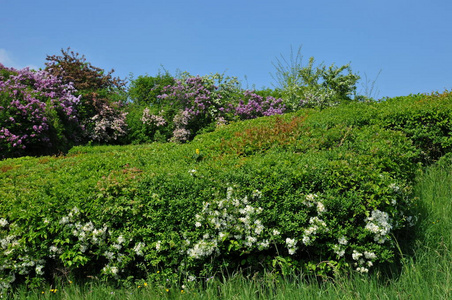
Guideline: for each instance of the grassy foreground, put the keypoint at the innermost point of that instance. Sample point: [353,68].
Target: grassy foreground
[425,273]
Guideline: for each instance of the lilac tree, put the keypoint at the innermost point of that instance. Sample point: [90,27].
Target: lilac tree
[38,114]
[190,105]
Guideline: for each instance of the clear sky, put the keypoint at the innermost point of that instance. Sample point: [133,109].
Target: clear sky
[410,41]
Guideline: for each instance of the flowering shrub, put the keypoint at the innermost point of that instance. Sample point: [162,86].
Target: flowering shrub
[230,224]
[191,105]
[38,113]
[108,124]
[322,195]
[101,95]
[253,106]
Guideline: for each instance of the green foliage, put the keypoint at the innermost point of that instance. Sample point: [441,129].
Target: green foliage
[145,89]
[425,119]
[313,86]
[325,192]
[424,273]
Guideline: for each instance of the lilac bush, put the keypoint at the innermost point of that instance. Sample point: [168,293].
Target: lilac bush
[191,104]
[253,106]
[38,114]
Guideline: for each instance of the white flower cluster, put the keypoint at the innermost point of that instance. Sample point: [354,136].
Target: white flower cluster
[139,248]
[338,248]
[9,243]
[316,226]
[150,119]
[3,222]
[88,235]
[291,245]
[203,248]
[394,187]
[311,200]
[110,270]
[230,218]
[363,260]
[22,263]
[379,224]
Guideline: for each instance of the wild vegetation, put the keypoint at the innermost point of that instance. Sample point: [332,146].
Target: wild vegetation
[195,186]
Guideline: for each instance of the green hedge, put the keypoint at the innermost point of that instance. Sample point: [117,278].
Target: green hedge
[317,191]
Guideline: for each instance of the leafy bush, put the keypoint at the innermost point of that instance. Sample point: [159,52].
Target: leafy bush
[282,192]
[38,113]
[425,119]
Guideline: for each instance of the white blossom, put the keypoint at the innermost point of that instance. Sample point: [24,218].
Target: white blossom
[379,224]
[369,255]
[39,270]
[139,248]
[109,255]
[291,245]
[64,220]
[3,222]
[338,250]
[356,255]
[362,270]
[257,194]
[121,239]
[342,240]
[158,245]
[320,207]
[306,240]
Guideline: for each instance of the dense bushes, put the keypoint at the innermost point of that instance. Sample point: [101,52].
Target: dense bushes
[318,191]
[425,119]
[322,192]
[165,108]
[192,105]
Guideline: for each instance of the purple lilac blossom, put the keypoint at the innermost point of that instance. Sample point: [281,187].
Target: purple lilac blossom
[27,97]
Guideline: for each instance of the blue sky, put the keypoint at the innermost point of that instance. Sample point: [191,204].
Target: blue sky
[408,40]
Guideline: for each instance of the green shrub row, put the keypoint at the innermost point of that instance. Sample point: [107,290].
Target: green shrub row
[317,191]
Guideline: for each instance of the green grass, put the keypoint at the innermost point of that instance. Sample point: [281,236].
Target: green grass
[425,272]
